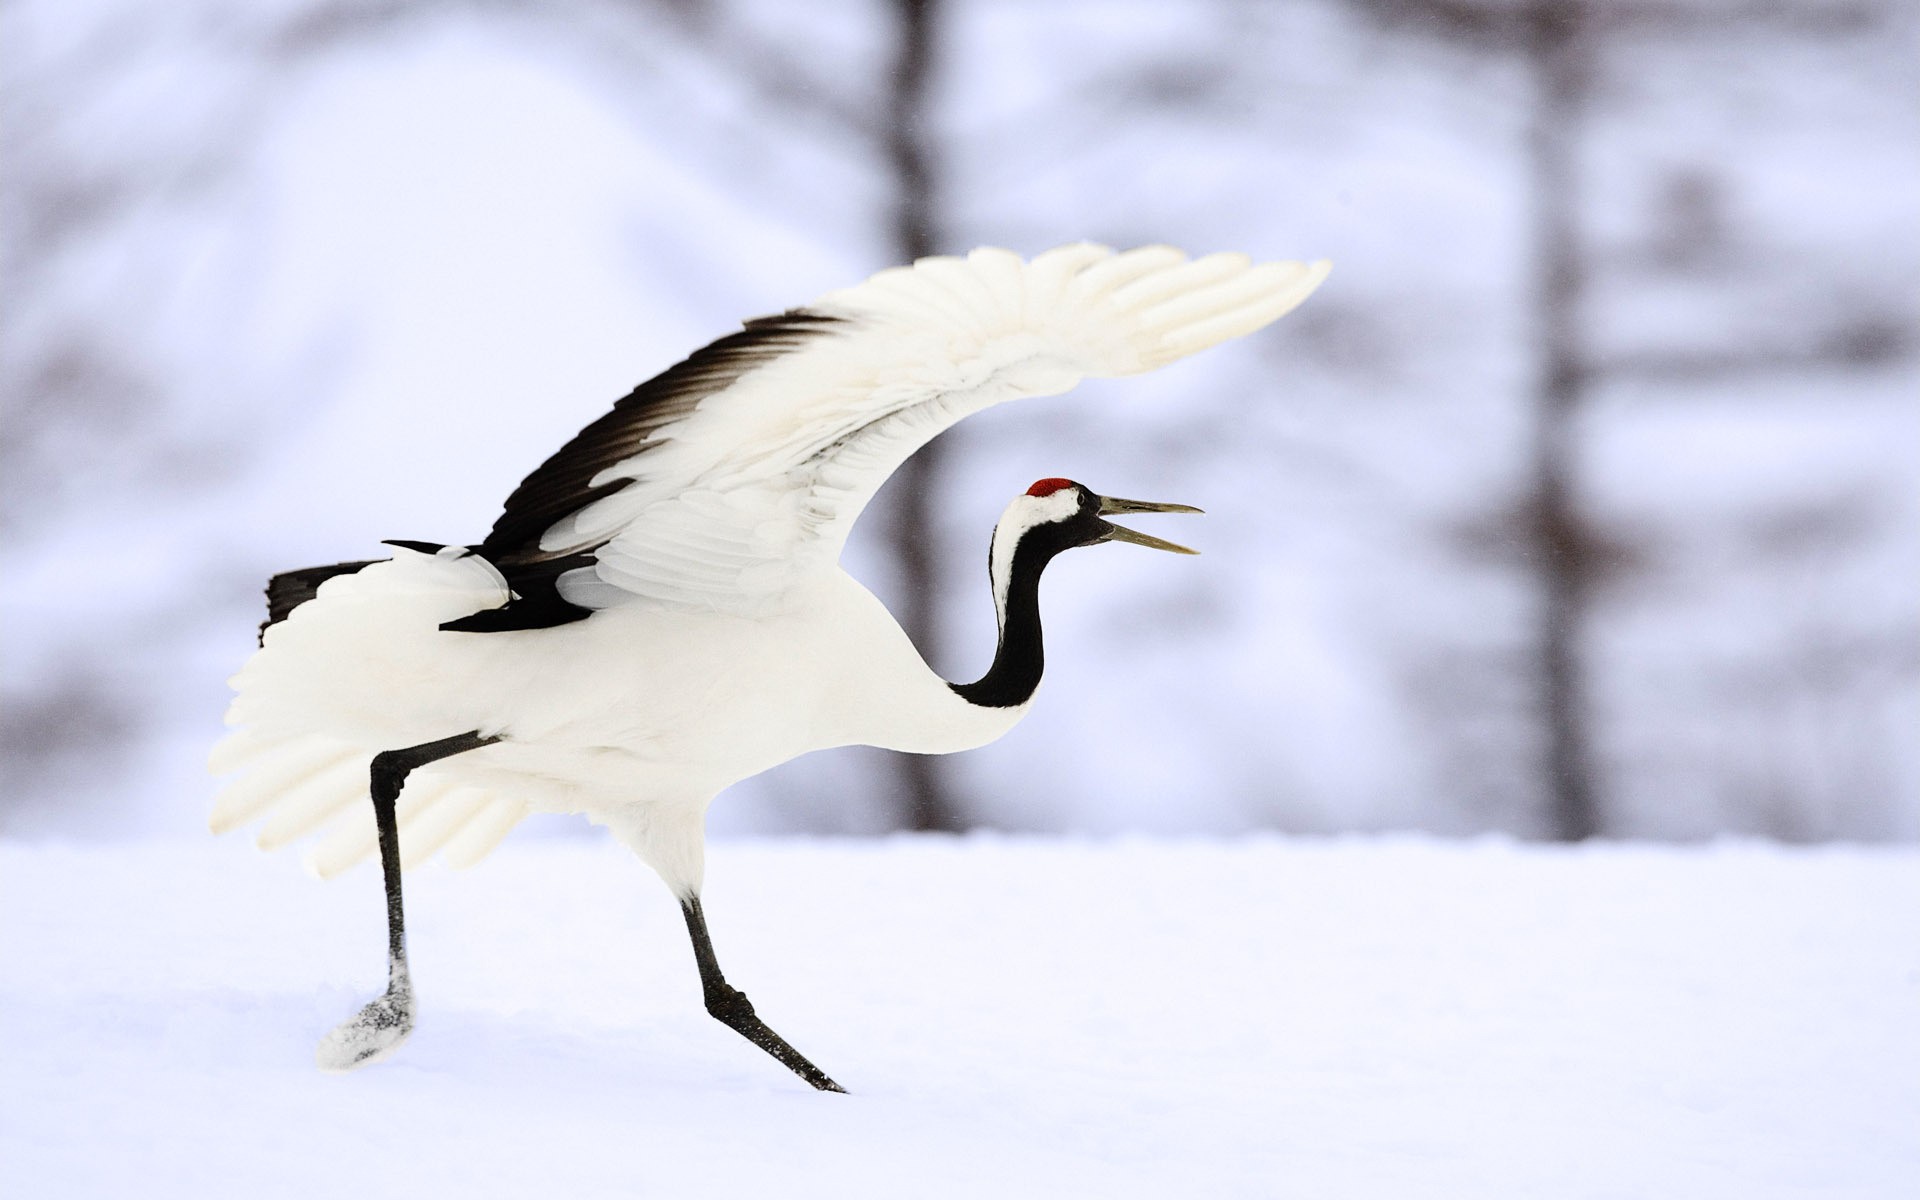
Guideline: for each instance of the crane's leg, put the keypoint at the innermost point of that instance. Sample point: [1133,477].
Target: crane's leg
[731,1007]
[378,1029]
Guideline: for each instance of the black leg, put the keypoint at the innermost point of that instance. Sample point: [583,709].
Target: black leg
[382,1025]
[731,1007]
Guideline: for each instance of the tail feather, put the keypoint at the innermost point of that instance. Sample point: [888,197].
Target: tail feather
[460,823]
[330,690]
[347,841]
[477,838]
[299,786]
[305,807]
[238,749]
[278,769]
[290,589]
[433,828]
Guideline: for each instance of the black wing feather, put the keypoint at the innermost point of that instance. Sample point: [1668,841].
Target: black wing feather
[560,487]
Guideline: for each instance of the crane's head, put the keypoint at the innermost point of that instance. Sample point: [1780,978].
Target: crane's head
[1051,516]
[1059,514]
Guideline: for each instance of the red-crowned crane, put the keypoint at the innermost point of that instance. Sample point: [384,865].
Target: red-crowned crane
[660,611]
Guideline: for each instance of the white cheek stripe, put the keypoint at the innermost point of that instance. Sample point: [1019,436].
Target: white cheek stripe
[1021,516]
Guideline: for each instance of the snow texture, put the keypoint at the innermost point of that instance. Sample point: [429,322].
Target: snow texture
[1017,1017]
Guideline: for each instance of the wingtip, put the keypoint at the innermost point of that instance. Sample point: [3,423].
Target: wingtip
[1313,274]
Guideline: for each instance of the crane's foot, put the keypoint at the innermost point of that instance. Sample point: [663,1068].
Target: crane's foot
[730,1007]
[370,1034]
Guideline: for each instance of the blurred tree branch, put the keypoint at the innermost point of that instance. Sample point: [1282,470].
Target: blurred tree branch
[926,784]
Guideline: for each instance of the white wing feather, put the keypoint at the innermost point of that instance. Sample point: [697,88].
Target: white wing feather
[733,504]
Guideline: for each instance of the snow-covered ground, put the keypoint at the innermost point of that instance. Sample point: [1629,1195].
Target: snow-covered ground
[1017,1017]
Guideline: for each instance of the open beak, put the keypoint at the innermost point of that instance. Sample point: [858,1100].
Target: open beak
[1113,506]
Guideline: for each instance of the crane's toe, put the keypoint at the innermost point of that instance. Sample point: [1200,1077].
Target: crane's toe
[368,1036]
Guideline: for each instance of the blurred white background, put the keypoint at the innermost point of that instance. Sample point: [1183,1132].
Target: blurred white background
[1583,499]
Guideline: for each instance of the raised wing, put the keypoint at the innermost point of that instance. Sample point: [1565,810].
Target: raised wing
[730,478]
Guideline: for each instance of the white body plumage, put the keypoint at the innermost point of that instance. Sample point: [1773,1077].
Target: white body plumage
[636,716]
[660,612]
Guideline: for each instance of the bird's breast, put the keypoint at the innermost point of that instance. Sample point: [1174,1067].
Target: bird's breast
[732,695]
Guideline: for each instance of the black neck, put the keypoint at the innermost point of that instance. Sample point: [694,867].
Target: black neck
[1019,659]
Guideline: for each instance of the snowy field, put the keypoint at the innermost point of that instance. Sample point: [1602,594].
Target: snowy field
[1013,1018]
